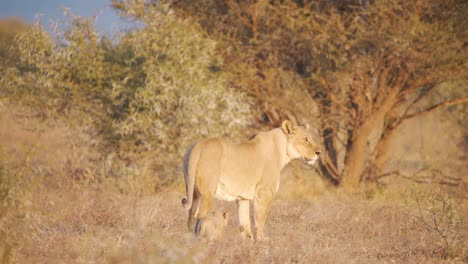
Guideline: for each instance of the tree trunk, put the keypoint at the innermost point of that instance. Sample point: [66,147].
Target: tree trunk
[382,151]
[355,156]
[381,155]
[330,146]
[330,150]
[356,149]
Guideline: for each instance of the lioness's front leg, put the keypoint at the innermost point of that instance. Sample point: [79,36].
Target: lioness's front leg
[262,204]
[244,218]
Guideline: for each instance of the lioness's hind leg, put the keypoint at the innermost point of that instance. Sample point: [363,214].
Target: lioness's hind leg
[207,176]
[206,203]
[193,212]
[244,218]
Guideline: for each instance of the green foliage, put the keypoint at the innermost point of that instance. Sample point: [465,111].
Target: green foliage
[56,76]
[183,97]
[9,27]
[191,69]
[152,93]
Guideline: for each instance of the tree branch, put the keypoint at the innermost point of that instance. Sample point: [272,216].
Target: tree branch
[258,5]
[400,119]
[436,176]
[382,82]
[417,85]
[335,174]
[234,8]
[437,106]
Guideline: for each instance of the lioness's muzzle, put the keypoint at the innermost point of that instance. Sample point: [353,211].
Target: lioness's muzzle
[310,161]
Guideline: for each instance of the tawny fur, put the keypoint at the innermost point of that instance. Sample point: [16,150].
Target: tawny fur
[247,172]
[213,226]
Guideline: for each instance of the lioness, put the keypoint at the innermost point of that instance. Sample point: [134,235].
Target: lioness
[212,227]
[245,172]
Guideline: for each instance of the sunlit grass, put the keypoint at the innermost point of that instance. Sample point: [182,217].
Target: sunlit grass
[76,214]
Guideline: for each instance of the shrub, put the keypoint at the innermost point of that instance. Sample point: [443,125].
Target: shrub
[184,96]
[148,95]
[436,213]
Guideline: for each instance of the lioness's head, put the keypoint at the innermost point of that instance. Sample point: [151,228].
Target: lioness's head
[300,143]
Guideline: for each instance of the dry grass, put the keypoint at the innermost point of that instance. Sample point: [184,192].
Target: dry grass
[79,224]
[63,219]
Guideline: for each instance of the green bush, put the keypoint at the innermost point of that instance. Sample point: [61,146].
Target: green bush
[150,94]
[184,97]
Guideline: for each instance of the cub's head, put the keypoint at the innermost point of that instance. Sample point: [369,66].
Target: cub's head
[300,143]
[224,216]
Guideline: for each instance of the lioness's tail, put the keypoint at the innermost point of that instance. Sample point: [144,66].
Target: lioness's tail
[190,166]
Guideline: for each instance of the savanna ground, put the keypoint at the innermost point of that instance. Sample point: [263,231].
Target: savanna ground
[61,214]
[93,129]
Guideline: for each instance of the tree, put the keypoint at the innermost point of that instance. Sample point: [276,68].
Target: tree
[400,53]
[367,69]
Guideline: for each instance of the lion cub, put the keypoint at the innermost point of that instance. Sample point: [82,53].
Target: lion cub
[213,226]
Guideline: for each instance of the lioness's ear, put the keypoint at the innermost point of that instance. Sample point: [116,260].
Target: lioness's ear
[288,127]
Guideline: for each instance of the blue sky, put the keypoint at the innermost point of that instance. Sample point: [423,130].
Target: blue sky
[107,20]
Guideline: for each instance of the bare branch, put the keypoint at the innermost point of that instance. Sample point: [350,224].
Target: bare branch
[397,122]
[259,5]
[329,164]
[234,8]
[377,67]
[382,82]
[435,176]
[403,76]
[342,105]
[437,106]
[427,80]
[392,173]
[414,86]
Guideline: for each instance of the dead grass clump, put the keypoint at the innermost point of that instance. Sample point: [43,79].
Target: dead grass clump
[333,228]
[438,216]
[76,223]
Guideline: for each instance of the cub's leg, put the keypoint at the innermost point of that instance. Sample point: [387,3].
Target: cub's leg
[244,218]
[262,203]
